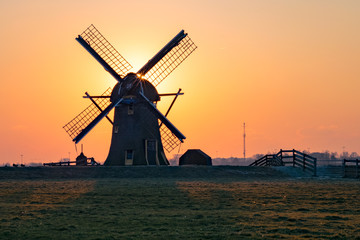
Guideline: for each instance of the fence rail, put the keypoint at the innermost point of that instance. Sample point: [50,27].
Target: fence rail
[81,162]
[268,160]
[291,157]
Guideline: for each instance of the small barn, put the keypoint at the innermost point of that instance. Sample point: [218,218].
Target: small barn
[195,157]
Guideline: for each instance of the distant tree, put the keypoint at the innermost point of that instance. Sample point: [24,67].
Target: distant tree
[326,155]
[257,156]
[354,155]
[174,161]
[34,164]
[344,155]
[334,156]
[306,152]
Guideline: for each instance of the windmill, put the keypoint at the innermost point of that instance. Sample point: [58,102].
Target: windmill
[140,132]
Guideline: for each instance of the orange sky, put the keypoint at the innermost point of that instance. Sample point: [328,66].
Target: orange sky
[289,69]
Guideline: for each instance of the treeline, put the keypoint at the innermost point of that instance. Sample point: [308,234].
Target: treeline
[325,157]
[333,155]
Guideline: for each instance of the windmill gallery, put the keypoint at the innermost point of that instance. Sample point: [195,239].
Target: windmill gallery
[140,132]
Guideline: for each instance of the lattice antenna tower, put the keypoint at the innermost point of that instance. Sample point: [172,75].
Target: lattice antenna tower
[244,136]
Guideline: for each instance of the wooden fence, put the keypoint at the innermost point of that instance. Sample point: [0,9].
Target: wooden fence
[351,168]
[82,162]
[289,158]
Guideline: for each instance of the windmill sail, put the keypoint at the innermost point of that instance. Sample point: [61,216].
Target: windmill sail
[83,119]
[168,58]
[95,43]
[96,120]
[168,139]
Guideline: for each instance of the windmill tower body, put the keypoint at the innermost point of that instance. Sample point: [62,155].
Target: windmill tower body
[140,131]
[136,138]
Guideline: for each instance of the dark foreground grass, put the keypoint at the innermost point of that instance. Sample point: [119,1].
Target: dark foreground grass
[148,208]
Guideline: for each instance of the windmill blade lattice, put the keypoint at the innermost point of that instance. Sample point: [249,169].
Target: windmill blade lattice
[170,61]
[168,139]
[75,126]
[106,51]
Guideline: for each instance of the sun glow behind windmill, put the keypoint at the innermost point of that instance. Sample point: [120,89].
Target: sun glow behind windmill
[140,131]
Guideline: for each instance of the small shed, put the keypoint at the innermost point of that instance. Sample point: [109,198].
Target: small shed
[195,157]
[81,160]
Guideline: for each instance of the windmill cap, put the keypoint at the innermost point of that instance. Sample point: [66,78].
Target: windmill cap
[131,86]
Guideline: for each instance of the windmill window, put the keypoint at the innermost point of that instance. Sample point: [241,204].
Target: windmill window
[129,154]
[131,109]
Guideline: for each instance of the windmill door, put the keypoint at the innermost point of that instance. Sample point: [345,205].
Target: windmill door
[151,152]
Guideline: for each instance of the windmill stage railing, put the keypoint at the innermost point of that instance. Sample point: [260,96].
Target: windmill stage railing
[351,168]
[289,158]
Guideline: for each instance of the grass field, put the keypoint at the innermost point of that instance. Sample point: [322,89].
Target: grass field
[227,207]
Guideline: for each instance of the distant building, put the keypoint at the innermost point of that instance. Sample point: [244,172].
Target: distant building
[81,160]
[195,157]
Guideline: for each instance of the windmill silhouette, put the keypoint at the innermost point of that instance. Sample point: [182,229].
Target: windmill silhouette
[140,131]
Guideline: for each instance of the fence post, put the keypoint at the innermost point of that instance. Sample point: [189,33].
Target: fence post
[266,160]
[343,165]
[293,157]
